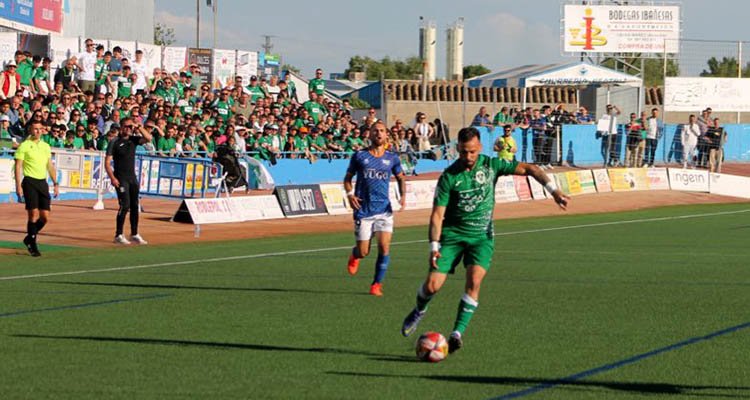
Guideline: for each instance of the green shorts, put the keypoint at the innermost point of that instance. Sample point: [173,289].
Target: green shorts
[474,251]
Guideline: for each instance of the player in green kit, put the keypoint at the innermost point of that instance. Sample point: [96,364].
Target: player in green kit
[461,227]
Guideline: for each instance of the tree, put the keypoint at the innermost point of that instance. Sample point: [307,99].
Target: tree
[471,71]
[358,104]
[653,74]
[290,68]
[387,68]
[726,68]
[163,35]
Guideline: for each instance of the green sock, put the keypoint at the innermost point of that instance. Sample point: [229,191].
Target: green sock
[422,299]
[466,309]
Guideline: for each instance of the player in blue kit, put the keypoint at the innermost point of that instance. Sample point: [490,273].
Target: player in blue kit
[373,215]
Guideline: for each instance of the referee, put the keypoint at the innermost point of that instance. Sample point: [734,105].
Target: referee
[33,161]
[121,150]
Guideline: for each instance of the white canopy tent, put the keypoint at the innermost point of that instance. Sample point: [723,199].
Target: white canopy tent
[570,74]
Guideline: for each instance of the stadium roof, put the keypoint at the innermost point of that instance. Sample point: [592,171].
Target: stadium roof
[568,74]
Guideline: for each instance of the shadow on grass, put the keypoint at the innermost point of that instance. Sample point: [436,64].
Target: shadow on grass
[191,287]
[646,388]
[219,345]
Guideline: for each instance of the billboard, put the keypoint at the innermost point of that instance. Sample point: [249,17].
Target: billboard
[620,29]
[694,94]
[247,65]
[37,16]
[203,58]
[223,67]
[173,58]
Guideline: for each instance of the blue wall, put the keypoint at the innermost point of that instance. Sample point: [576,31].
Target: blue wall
[288,171]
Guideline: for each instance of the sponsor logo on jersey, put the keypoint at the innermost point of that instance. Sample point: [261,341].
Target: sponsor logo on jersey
[480,177]
[375,174]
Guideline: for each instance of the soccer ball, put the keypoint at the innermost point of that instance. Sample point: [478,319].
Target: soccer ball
[432,347]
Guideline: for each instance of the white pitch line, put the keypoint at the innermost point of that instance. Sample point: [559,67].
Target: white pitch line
[293,252]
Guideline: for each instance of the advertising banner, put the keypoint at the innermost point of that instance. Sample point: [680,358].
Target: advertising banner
[211,211]
[19,11]
[601,179]
[690,94]
[688,180]
[8,45]
[657,179]
[253,208]
[561,181]
[174,58]
[620,29]
[505,190]
[48,15]
[6,175]
[537,190]
[223,65]
[335,199]
[151,56]
[522,187]
[61,49]
[419,194]
[722,184]
[586,179]
[247,65]
[628,179]
[300,200]
[128,48]
[201,57]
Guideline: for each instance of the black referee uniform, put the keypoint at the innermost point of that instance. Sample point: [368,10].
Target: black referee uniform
[122,151]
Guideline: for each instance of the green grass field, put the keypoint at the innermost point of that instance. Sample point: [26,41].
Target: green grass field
[645,304]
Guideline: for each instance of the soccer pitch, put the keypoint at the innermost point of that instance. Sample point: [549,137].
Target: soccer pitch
[603,306]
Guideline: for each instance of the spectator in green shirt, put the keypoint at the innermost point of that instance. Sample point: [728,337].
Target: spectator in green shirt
[317,84]
[314,108]
[254,90]
[41,78]
[25,68]
[502,118]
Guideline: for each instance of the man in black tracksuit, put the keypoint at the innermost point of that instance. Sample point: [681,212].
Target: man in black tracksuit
[123,176]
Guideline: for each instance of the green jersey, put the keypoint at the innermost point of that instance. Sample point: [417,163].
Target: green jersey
[316,110]
[318,86]
[469,196]
[170,95]
[25,69]
[502,119]
[224,109]
[101,70]
[319,141]
[256,92]
[124,87]
[40,74]
[165,145]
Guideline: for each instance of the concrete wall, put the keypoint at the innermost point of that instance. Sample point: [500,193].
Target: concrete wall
[74,20]
[120,20]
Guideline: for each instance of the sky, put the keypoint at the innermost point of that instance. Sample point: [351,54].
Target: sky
[326,33]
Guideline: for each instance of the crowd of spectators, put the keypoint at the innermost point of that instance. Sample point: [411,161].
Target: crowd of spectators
[702,137]
[82,103]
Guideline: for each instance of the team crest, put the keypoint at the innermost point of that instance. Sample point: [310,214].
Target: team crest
[386,162]
[480,177]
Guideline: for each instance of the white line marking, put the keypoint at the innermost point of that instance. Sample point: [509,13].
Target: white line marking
[286,253]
